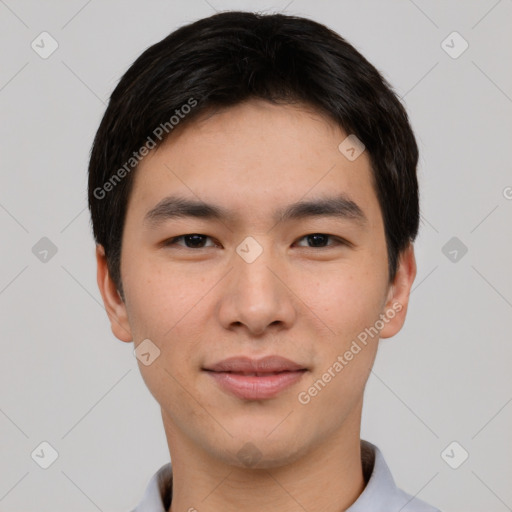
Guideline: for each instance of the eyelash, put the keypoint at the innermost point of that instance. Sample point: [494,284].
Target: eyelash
[173,241]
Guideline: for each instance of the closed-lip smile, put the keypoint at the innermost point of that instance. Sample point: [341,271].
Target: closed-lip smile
[256,379]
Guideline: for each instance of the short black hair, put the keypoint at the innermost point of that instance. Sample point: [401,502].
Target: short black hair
[231,57]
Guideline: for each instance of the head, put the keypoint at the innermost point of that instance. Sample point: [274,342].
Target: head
[245,114]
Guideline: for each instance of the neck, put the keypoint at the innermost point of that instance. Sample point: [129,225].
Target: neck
[328,477]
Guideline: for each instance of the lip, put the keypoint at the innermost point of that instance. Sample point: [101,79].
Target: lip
[256,379]
[266,364]
[256,388]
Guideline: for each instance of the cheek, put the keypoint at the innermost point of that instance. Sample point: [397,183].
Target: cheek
[350,306]
[169,306]
[161,308]
[346,299]
[349,303]
[157,299]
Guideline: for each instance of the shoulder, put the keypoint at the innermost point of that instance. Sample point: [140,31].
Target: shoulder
[381,492]
[158,492]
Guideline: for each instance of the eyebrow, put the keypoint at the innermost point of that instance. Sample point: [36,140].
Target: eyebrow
[173,207]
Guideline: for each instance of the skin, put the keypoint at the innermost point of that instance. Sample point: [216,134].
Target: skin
[201,304]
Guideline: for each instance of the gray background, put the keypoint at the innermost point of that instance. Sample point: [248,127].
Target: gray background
[66,380]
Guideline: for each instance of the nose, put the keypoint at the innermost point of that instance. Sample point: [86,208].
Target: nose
[257,296]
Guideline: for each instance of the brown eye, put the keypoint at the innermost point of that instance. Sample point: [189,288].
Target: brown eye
[320,240]
[191,241]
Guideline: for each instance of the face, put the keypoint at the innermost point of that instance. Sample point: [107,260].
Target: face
[253,282]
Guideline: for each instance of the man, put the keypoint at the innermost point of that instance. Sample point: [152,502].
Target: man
[254,201]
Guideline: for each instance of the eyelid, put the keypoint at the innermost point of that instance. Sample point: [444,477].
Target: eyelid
[339,241]
[173,241]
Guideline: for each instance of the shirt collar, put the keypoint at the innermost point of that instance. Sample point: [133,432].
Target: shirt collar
[380,494]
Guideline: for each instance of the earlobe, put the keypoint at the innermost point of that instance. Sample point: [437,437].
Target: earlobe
[397,302]
[114,305]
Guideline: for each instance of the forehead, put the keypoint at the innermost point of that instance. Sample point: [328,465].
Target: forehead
[253,158]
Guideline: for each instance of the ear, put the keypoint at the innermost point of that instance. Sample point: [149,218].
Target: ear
[397,301]
[114,304]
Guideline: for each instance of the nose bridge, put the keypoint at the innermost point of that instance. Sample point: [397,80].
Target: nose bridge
[258,298]
[254,259]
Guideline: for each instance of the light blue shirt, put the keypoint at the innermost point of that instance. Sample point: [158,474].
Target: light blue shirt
[380,494]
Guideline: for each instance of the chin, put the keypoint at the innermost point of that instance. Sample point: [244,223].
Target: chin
[259,450]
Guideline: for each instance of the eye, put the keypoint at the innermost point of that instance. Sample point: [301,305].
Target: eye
[319,240]
[192,241]
[197,241]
